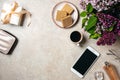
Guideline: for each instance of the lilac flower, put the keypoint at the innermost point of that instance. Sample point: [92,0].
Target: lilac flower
[108,38]
[108,25]
[117,28]
[99,4]
[106,20]
[83,4]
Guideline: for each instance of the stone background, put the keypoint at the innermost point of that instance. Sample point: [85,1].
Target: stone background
[44,51]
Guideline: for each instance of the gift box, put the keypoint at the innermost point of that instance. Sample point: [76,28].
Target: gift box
[16,18]
[12,13]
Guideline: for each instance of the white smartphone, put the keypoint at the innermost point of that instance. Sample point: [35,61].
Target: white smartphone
[85,61]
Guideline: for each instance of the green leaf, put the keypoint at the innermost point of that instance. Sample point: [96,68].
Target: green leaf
[89,8]
[111,27]
[83,14]
[91,22]
[84,21]
[93,14]
[95,36]
[92,30]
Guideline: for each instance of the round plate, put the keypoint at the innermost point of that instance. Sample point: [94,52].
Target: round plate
[59,6]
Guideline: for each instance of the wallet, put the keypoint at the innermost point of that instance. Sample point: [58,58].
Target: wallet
[6,41]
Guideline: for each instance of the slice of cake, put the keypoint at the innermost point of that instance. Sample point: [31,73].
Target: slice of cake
[68,9]
[67,21]
[60,15]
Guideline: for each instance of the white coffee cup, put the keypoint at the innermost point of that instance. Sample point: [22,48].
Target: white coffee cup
[76,37]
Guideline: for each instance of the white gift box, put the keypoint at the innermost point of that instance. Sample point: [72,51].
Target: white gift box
[14,15]
[6,41]
[16,18]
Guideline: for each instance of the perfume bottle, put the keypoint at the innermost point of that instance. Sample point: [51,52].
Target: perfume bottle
[99,76]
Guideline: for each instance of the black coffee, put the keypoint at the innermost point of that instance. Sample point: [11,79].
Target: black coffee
[75,36]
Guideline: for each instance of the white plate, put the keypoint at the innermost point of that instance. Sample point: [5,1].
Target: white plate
[59,6]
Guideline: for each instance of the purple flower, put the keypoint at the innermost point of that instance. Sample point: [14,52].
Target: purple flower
[99,4]
[107,20]
[83,4]
[119,33]
[107,38]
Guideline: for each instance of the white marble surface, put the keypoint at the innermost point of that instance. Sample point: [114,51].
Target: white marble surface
[44,51]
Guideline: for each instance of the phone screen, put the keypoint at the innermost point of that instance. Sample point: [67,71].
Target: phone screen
[85,61]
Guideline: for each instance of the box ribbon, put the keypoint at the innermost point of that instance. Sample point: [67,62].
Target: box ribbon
[14,5]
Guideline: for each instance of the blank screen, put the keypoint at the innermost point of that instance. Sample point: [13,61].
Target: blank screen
[85,61]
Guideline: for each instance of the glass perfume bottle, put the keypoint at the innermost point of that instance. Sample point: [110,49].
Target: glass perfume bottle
[99,76]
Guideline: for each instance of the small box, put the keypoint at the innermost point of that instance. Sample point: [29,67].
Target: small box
[67,21]
[6,41]
[16,18]
[60,15]
[68,9]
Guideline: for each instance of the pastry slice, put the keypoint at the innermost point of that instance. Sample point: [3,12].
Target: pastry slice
[68,9]
[60,15]
[67,21]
